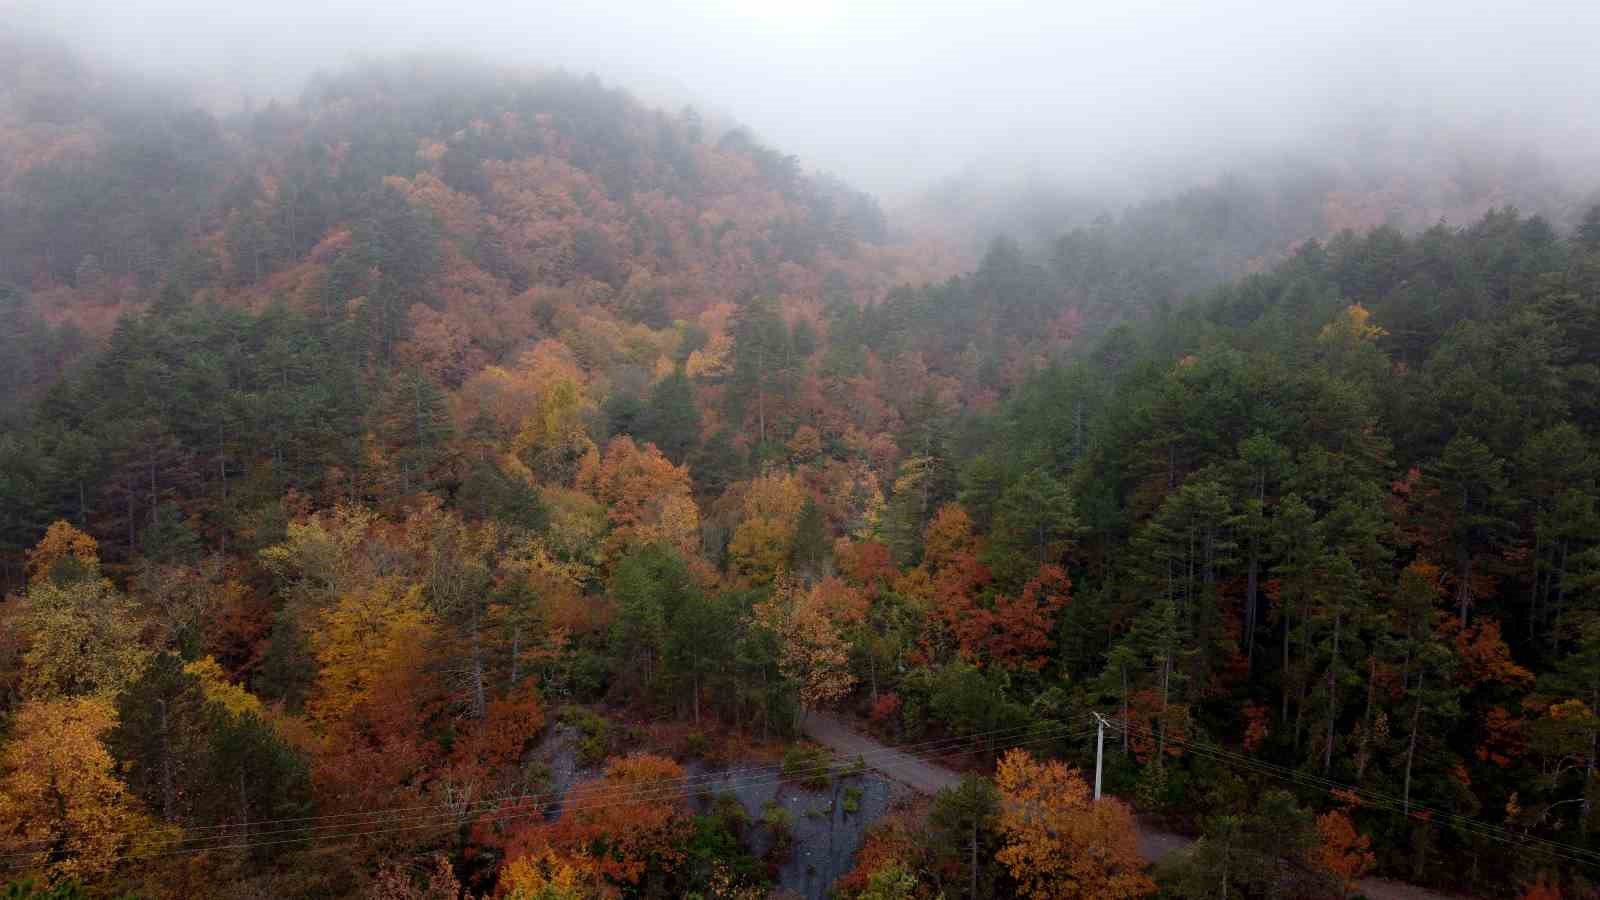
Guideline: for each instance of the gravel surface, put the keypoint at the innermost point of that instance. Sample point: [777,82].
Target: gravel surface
[837,735]
[825,836]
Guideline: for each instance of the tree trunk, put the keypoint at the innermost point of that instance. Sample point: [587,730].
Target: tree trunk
[1300,711]
[1561,594]
[761,407]
[222,462]
[1166,682]
[1333,710]
[1541,579]
[1250,589]
[1411,747]
[244,810]
[480,702]
[1366,730]
[1077,430]
[516,653]
[972,889]
[1226,856]
[168,781]
[1124,710]
[1288,622]
[1588,767]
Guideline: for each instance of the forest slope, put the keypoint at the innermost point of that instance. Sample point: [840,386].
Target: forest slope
[365,435]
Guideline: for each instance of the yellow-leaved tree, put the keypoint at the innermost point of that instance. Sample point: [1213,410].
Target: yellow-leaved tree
[322,555]
[216,687]
[545,875]
[62,808]
[79,635]
[811,652]
[82,637]
[761,543]
[368,633]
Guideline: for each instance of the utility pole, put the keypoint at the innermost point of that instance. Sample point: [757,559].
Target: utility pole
[1099,752]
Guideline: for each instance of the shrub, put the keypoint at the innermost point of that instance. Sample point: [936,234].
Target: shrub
[726,806]
[885,707]
[811,766]
[594,734]
[852,800]
[780,823]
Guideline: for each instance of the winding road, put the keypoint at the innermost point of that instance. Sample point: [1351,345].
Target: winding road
[925,777]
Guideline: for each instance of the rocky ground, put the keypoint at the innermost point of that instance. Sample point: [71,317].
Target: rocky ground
[827,824]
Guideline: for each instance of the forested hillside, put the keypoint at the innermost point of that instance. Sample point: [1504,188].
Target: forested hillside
[1119,252]
[354,447]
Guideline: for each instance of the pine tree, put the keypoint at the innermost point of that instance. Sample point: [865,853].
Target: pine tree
[764,364]
[161,740]
[670,419]
[412,420]
[1468,510]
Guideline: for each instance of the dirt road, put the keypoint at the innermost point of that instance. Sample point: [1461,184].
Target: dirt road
[921,775]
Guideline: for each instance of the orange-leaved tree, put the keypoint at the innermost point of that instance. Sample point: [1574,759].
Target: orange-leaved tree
[1543,889]
[647,498]
[1344,852]
[1015,634]
[624,827]
[62,543]
[1060,843]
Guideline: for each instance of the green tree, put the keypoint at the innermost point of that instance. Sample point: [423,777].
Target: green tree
[254,776]
[650,586]
[808,555]
[1468,510]
[764,362]
[1262,462]
[670,419]
[962,823]
[162,739]
[698,637]
[1032,518]
[413,422]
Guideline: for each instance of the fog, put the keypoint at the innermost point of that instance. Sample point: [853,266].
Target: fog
[896,94]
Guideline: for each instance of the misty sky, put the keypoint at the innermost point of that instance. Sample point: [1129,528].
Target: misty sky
[892,94]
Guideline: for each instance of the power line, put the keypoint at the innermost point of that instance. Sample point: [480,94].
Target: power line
[638,794]
[1377,798]
[602,797]
[931,746]
[1570,852]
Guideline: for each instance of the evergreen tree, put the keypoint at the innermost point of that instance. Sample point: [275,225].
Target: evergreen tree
[162,739]
[808,555]
[412,420]
[670,419]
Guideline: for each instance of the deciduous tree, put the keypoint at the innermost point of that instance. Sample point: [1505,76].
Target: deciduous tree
[1061,843]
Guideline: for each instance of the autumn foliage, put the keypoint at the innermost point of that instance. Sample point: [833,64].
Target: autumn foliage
[1344,853]
[348,442]
[1060,843]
